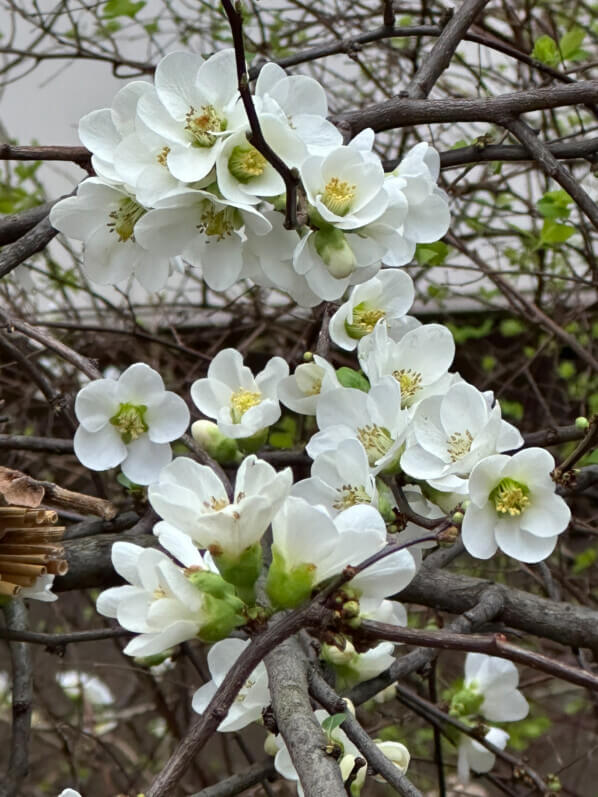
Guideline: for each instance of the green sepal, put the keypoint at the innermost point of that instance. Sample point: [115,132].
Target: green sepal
[349,377]
[288,588]
[249,445]
[223,619]
[466,702]
[242,571]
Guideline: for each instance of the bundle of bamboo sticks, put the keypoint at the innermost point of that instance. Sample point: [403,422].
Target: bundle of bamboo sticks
[29,547]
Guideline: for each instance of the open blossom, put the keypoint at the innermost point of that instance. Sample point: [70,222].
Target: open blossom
[309,547]
[389,296]
[451,433]
[473,755]
[159,604]
[303,102]
[192,498]
[514,507]
[195,107]
[301,391]
[375,419]
[340,478]
[253,697]
[419,361]
[352,668]
[206,231]
[495,681]
[241,403]
[129,422]
[104,218]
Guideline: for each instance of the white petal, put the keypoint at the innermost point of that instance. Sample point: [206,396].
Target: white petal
[168,419]
[99,450]
[96,403]
[477,531]
[145,460]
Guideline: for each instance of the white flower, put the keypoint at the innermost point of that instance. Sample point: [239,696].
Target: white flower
[129,422]
[345,187]
[244,175]
[104,217]
[253,697]
[208,232]
[451,434]
[309,547]
[353,668]
[301,391]
[428,215]
[195,106]
[241,403]
[388,295]
[395,752]
[102,131]
[303,102]
[419,361]
[375,419]
[69,793]
[514,507]
[473,755]
[40,590]
[192,498]
[159,603]
[81,685]
[495,680]
[340,478]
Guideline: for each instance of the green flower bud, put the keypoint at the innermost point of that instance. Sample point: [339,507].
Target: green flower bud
[334,250]
[288,588]
[582,423]
[242,571]
[221,448]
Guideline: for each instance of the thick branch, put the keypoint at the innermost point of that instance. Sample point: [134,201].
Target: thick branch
[30,243]
[404,112]
[444,48]
[22,692]
[318,772]
[239,782]
[15,225]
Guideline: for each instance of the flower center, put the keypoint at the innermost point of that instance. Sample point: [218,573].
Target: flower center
[243,400]
[248,685]
[162,156]
[218,223]
[130,422]
[510,497]
[203,124]
[338,196]
[124,219]
[245,163]
[376,440]
[216,504]
[365,318]
[410,382]
[349,495]
[159,593]
[459,444]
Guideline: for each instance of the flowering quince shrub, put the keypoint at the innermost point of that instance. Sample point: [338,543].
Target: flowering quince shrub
[394,453]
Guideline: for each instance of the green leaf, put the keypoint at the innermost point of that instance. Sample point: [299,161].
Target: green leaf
[546,51]
[348,377]
[122,8]
[554,233]
[333,722]
[570,44]
[510,327]
[584,560]
[464,333]
[555,205]
[431,254]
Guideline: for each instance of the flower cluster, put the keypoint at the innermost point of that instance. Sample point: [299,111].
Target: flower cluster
[177,176]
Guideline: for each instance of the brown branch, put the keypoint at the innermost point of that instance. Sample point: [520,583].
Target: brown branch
[29,244]
[328,698]
[495,645]
[22,693]
[51,445]
[318,772]
[79,155]
[280,628]
[239,782]
[444,48]
[256,137]
[477,153]
[14,225]
[405,112]
[56,643]
[550,166]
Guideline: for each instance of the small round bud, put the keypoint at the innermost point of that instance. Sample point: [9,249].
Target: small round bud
[457,517]
[308,356]
[582,423]
[351,609]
